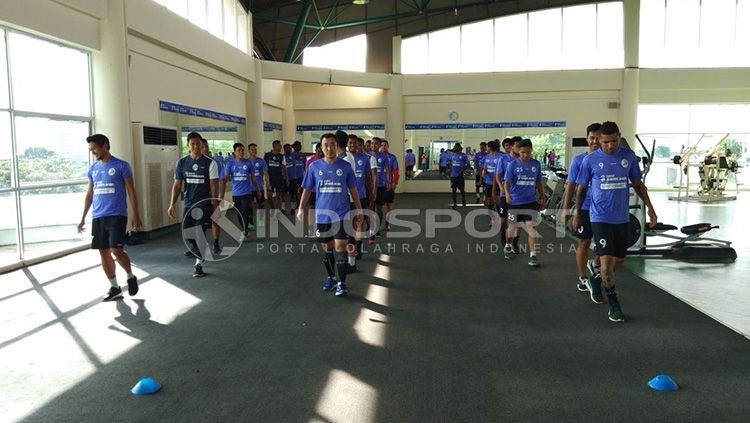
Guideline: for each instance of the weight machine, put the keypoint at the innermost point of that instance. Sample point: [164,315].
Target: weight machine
[714,171]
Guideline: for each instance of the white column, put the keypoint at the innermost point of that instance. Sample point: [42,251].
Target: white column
[110,75]
[394,124]
[397,54]
[254,109]
[631,31]
[289,121]
[629,98]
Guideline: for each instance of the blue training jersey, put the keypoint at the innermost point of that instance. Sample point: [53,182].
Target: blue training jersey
[108,179]
[489,164]
[573,172]
[361,170]
[240,173]
[502,164]
[523,177]
[458,164]
[291,169]
[479,159]
[610,191]
[383,161]
[332,183]
[260,167]
[299,164]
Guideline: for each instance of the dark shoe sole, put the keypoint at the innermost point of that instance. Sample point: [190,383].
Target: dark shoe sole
[133,286]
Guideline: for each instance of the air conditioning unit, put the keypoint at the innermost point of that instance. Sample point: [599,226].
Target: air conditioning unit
[156,151]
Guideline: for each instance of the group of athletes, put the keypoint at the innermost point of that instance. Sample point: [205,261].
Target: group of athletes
[346,175]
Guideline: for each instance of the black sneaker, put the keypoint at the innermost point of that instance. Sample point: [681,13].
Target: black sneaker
[198,272]
[582,284]
[113,294]
[594,285]
[133,286]
[189,253]
[351,269]
[217,248]
[359,255]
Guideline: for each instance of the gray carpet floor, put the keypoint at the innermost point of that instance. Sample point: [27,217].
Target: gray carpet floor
[466,336]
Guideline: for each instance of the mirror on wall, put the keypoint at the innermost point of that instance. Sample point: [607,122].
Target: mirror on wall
[310,135]
[220,130]
[427,141]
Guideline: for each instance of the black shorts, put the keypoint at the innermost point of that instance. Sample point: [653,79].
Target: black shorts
[524,212]
[389,196]
[381,196]
[502,208]
[488,190]
[478,180]
[278,186]
[442,169]
[294,185]
[610,239]
[323,234]
[109,232]
[584,231]
[458,182]
[313,196]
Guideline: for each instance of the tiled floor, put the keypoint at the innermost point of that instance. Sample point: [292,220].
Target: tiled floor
[721,291]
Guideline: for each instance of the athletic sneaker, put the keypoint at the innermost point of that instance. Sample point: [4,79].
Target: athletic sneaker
[217,248]
[113,294]
[595,288]
[198,272]
[533,262]
[341,290]
[507,251]
[582,284]
[191,253]
[593,270]
[371,240]
[133,286]
[250,227]
[615,313]
[351,269]
[330,284]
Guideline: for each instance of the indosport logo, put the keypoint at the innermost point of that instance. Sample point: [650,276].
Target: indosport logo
[197,224]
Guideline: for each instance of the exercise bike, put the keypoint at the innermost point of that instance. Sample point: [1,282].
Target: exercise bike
[690,246]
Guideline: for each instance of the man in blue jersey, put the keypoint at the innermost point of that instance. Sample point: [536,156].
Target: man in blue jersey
[487,174]
[261,179]
[478,162]
[215,229]
[200,175]
[442,163]
[390,194]
[291,170]
[512,148]
[299,171]
[110,179]
[582,232]
[335,182]
[458,164]
[365,176]
[241,173]
[523,185]
[385,178]
[410,160]
[277,174]
[609,170]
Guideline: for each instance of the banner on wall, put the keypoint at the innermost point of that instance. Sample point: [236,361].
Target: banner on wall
[270,126]
[486,125]
[354,127]
[209,129]
[167,106]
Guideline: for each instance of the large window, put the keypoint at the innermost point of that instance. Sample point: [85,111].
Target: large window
[694,33]
[675,128]
[354,49]
[225,19]
[45,117]
[579,37]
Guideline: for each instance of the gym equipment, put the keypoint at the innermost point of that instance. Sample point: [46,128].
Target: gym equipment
[714,171]
[690,247]
[554,181]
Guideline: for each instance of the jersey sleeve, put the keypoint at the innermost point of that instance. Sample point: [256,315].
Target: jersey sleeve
[91,177]
[178,173]
[584,172]
[538,172]
[127,172]
[574,170]
[351,180]
[507,173]
[634,173]
[308,182]
[213,170]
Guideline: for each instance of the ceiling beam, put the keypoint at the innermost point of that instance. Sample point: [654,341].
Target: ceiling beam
[298,28]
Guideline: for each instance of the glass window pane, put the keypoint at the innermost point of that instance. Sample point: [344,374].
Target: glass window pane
[717,25]
[161,2]
[579,37]
[179,7]
[5,150]
[651,44]
[663,118]
[241,29]
[414,54]
[610,44]
[719,118]
[545,36]
[4,96]
[354,49]
[445,51]
[742,35]
[230,23]
[215,18]
[681,32]
[48,77]
[46,232]
[511,43]
[476,47]
[197,13]
[51,150]
[8,244]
